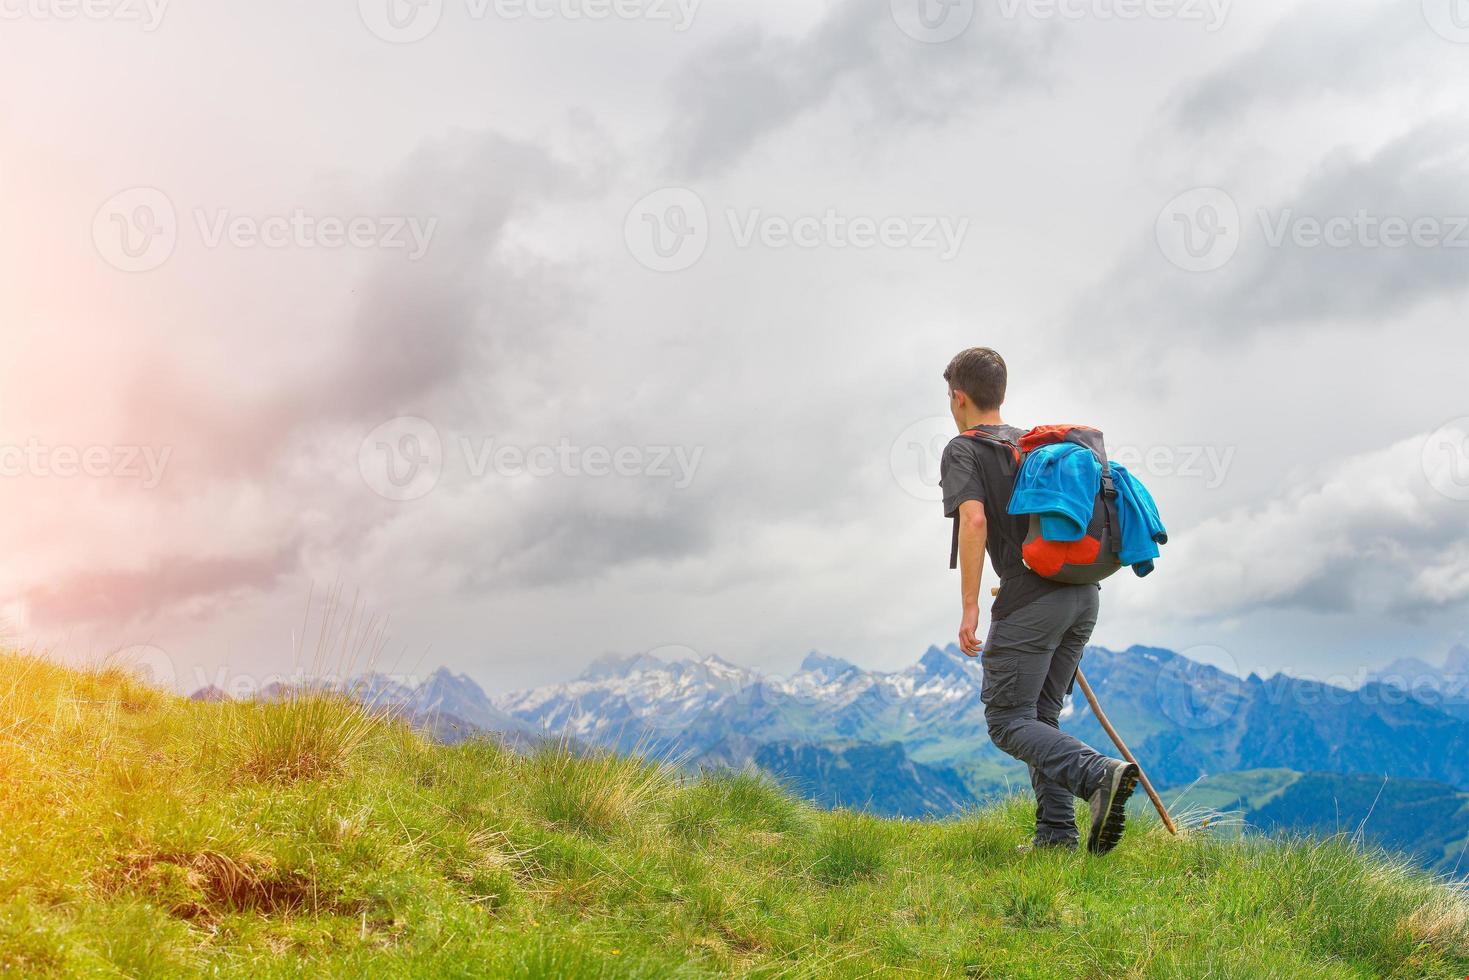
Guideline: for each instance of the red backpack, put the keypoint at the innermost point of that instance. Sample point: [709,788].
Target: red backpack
[1082,562]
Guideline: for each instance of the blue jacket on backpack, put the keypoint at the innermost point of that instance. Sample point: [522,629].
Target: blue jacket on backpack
[1138,522]
[1059,482]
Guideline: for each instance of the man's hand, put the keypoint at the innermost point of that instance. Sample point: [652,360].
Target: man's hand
[967,627]
[972,532]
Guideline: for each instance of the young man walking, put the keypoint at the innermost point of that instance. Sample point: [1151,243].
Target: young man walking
[1037,627]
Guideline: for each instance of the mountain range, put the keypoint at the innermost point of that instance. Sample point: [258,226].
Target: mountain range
[1446,686]
[914,742]
[1184,720]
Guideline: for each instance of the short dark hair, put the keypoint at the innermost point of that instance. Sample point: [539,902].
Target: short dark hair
[980,373]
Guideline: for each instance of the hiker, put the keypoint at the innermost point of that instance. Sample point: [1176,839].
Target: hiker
[1038,626]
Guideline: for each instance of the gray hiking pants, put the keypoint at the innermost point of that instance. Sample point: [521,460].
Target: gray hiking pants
[1029,660]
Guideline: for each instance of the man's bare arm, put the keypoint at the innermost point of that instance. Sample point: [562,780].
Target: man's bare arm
[972,533]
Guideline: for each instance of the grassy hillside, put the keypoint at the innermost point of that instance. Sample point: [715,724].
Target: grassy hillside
[146,836]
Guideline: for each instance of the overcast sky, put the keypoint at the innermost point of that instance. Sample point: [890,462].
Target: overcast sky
[559,327]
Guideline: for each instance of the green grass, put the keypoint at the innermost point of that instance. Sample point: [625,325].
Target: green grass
[146,836]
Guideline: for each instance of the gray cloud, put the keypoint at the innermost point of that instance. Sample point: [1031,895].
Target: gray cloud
[747,87]
[1318,49]
[1418,177]
[1286,274]
[414,330]
[169,582]
[442,336]
[1366,535]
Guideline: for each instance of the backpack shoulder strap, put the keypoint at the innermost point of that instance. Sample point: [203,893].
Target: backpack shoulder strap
[1012,456]
[1000,442]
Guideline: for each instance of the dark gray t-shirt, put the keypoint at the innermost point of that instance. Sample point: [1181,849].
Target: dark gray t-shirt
[973,470]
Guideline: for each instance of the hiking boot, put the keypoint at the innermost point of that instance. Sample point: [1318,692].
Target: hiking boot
[1109,807]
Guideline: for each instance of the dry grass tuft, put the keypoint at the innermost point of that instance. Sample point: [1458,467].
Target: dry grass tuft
[1443,924]
[310,735]
[597,792]
[204,884]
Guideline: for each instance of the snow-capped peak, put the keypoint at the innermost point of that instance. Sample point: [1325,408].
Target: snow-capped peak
[827,666]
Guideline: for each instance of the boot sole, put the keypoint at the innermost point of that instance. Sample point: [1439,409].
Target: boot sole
[1108,834]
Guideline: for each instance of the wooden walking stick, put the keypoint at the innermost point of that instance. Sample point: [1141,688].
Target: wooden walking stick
[1091,699]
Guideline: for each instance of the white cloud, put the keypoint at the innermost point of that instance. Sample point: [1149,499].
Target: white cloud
[1368,535]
